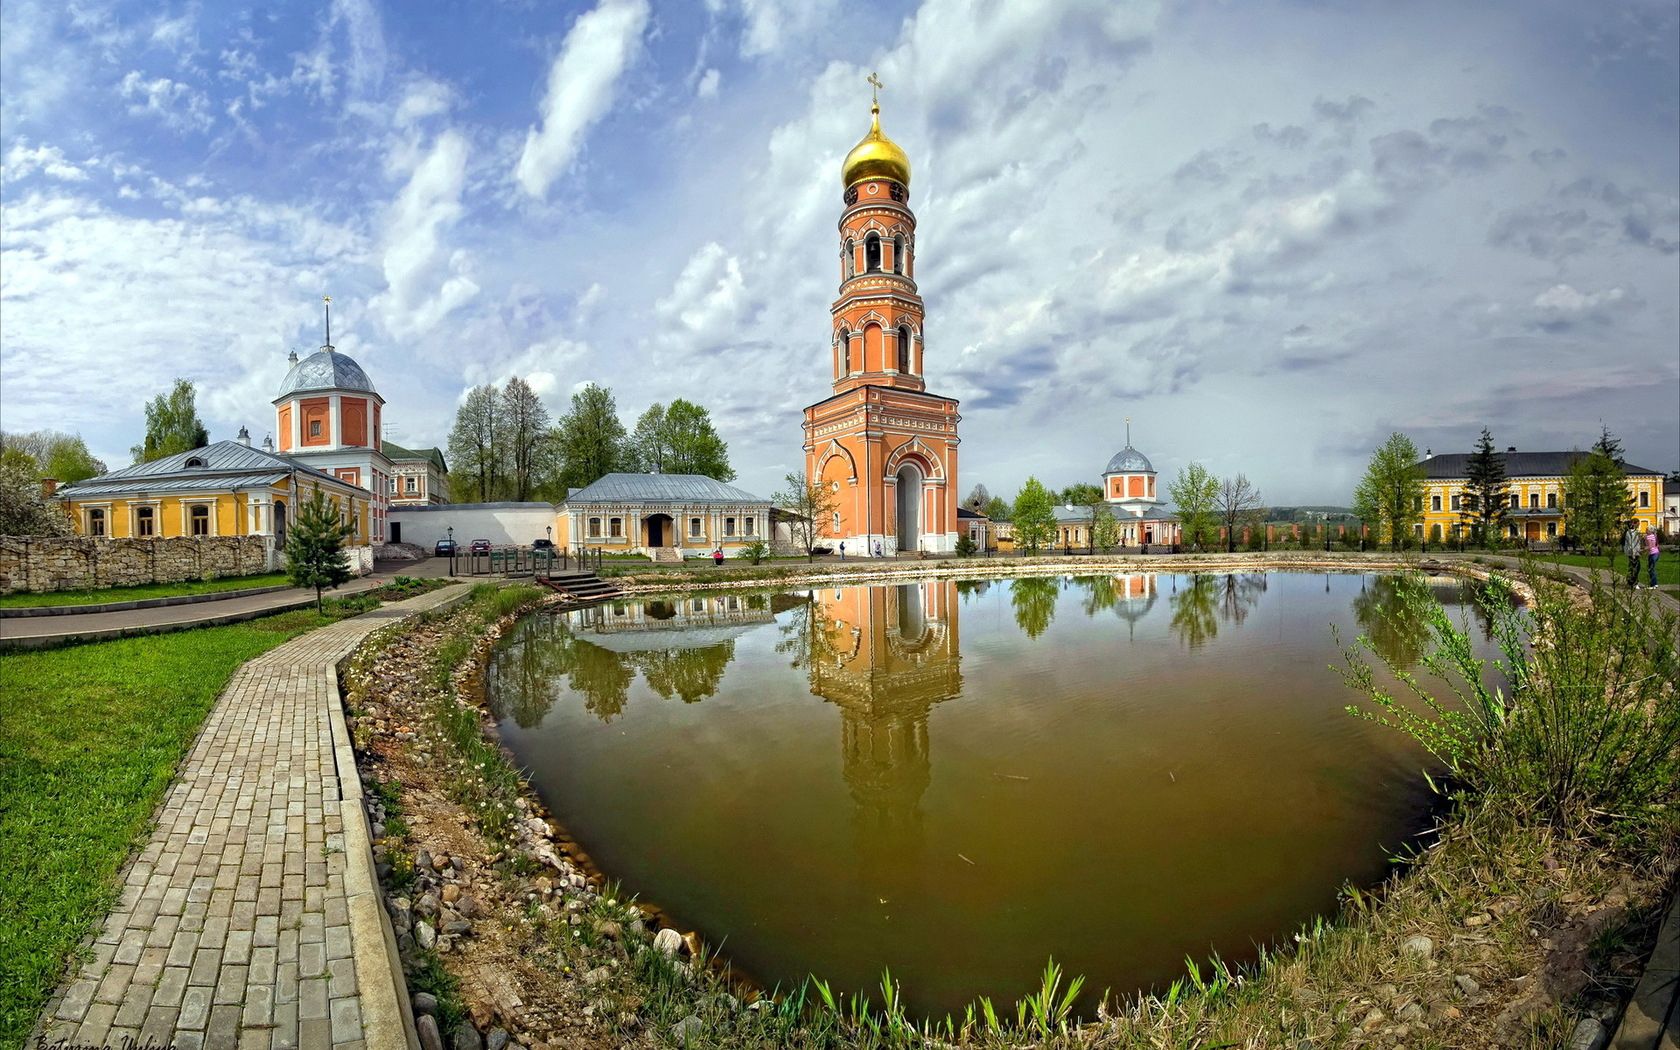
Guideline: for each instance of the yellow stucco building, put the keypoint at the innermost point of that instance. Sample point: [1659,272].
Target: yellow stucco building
[226,488]
[1534,492]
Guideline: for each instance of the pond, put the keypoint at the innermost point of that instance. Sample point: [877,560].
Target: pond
[961,779]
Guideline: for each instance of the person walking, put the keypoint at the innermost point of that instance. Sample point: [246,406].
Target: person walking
[717,556]
[1633,545]
[842,550]
[1652,551]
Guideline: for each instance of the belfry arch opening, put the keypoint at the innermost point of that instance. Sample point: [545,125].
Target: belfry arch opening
[872,253]
[904,348]
[898,255]
[909,507]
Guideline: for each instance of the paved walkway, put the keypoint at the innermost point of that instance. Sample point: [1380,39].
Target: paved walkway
[199,614]
[251,918]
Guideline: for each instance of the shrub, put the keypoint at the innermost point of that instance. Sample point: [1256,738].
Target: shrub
[756,551]
[1585,723]
[965,545]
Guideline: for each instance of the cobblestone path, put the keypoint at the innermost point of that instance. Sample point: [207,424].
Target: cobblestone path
[234,928]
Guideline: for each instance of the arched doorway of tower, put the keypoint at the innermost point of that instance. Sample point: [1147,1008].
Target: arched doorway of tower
[909,507]
[280,522]
[661,531]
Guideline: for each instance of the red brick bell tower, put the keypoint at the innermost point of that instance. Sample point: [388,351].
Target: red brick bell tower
[883,445]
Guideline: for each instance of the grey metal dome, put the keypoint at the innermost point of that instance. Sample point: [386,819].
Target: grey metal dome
[1129,461]
[325,369]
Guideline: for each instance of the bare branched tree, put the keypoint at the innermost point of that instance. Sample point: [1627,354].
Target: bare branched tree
[1238,503]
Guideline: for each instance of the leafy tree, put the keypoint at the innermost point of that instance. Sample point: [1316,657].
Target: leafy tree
[315,546]
[475,447]
[979,498]
[1105,528]
[528,439]
[1195,493]
[55,454]
[997,508]
[172,425]
[590,439]
[1035,517]
[1597,503]
[965,545]
[1391,493]
[649,445]
[1484,498]
[1081,494]
[812,505]
[1238,505]
[695,446]
[23,510]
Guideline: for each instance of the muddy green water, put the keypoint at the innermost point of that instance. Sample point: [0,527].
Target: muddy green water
[959,780]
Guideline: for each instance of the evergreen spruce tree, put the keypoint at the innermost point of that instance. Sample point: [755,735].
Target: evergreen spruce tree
[1485,499]
[315,546]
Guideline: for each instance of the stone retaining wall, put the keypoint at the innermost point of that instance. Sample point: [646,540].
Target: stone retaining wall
[34,563]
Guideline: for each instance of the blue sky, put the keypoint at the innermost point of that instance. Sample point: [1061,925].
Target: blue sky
[1270,233]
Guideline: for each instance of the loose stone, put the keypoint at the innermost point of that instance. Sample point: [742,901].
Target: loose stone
[668,942]
[451,894]
[425,1026]
[1411,1013]
[597,975]
[612,931]
[1418,945]
[466,1037]
[1467,984]
[495,1039]
[425,1003]
[683,1029]
[425,936]
[1589,1034]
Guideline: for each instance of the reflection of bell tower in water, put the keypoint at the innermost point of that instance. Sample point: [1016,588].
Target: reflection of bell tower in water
[885,656]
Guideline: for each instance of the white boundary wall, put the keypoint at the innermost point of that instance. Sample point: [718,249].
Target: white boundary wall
[500,523]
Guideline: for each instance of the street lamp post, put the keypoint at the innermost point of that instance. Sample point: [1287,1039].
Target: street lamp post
[451,531]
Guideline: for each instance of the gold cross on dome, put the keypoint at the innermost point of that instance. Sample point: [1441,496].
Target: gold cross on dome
[326,298]
[875,87]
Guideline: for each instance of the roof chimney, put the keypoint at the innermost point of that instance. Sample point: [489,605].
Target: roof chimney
[1510,448]
[292,360]
[244,437]
[48,486]
[268,442]
[1428,453]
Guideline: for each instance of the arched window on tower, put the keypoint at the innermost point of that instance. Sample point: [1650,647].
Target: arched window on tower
[904,348]
[898,255]
[851,257]
[845,352]
[872,253]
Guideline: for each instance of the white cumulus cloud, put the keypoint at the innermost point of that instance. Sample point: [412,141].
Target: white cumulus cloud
[581,85]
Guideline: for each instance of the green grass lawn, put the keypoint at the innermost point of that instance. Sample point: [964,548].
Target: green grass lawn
[92,736]
[1668,566]
[145,590]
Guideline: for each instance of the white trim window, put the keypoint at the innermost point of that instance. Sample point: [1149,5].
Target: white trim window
[97,521]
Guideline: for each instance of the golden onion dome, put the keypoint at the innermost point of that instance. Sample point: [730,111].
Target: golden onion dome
[875,157]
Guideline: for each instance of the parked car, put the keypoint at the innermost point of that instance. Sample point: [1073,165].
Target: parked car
[480,547]
[542,545]
[443,549]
